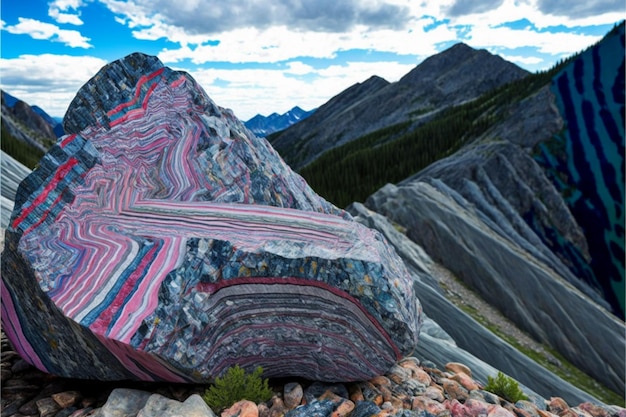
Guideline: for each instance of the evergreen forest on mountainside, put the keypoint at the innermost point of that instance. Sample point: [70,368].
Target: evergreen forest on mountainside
[357,169]
[20,150]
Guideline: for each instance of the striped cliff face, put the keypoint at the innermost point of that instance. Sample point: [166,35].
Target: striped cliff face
[586,161]
[162,241]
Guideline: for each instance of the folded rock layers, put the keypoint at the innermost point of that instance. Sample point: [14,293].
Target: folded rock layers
[161,240]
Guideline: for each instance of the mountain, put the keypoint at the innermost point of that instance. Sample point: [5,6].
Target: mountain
[56,124]
[24,112]
[12,173]
[27,132]
[9,99]
[262,126]
[449,78]
[518,193]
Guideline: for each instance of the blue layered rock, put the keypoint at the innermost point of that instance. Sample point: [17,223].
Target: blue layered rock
[585,162]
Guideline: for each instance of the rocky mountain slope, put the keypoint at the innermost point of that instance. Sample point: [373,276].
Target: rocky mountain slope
[27,132]
[450,334]
[263,126]
[511,213]
[449,78]
[12,173]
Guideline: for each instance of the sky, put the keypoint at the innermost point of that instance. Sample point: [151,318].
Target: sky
[265,56]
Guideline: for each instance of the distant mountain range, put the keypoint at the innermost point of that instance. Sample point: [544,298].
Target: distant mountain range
[22,111]
[262,126]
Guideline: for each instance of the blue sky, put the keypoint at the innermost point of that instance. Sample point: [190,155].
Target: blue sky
[264,56]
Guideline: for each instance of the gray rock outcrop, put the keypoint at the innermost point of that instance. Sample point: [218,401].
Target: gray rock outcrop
[501,265]
[449,334]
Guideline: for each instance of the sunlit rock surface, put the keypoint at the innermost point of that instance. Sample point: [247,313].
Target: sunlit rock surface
[160,240]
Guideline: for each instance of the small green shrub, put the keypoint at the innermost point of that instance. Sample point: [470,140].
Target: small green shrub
[235,385]
[505,387]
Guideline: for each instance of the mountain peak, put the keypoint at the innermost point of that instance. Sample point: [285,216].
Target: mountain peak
[458,74]
[462,64]
[265,125]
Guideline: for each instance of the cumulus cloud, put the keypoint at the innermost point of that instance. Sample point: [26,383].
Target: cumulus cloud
[541,13]
[50,81]
[299,68]
[198,17]
[279,43]
[42,30]
[546,43]
[251,91]
[465,7]
[60,10]
[528,60]
[580,9]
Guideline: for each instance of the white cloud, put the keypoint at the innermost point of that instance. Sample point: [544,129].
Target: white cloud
[199,18]
[278,44]
[71,19]
[541,13]
[582,9]
[527,60]
[546,42]
[298,68]
[264,91]
[49,81]
[42,30]
[59,11]
[131,13]
[276,34]
[67,4]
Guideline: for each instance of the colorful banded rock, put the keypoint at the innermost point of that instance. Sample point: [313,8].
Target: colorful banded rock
[160,240]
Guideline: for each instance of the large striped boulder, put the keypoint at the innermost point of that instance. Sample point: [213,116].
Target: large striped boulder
[161,240]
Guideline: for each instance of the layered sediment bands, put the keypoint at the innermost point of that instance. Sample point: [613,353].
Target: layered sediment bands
[168,243]
[517,281]
[449,334]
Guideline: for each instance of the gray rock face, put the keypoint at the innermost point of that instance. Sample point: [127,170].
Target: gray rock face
[498,262]
[12,173]
[302,142]
[449,334]
[27,126]
[532,120]
[511,190]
